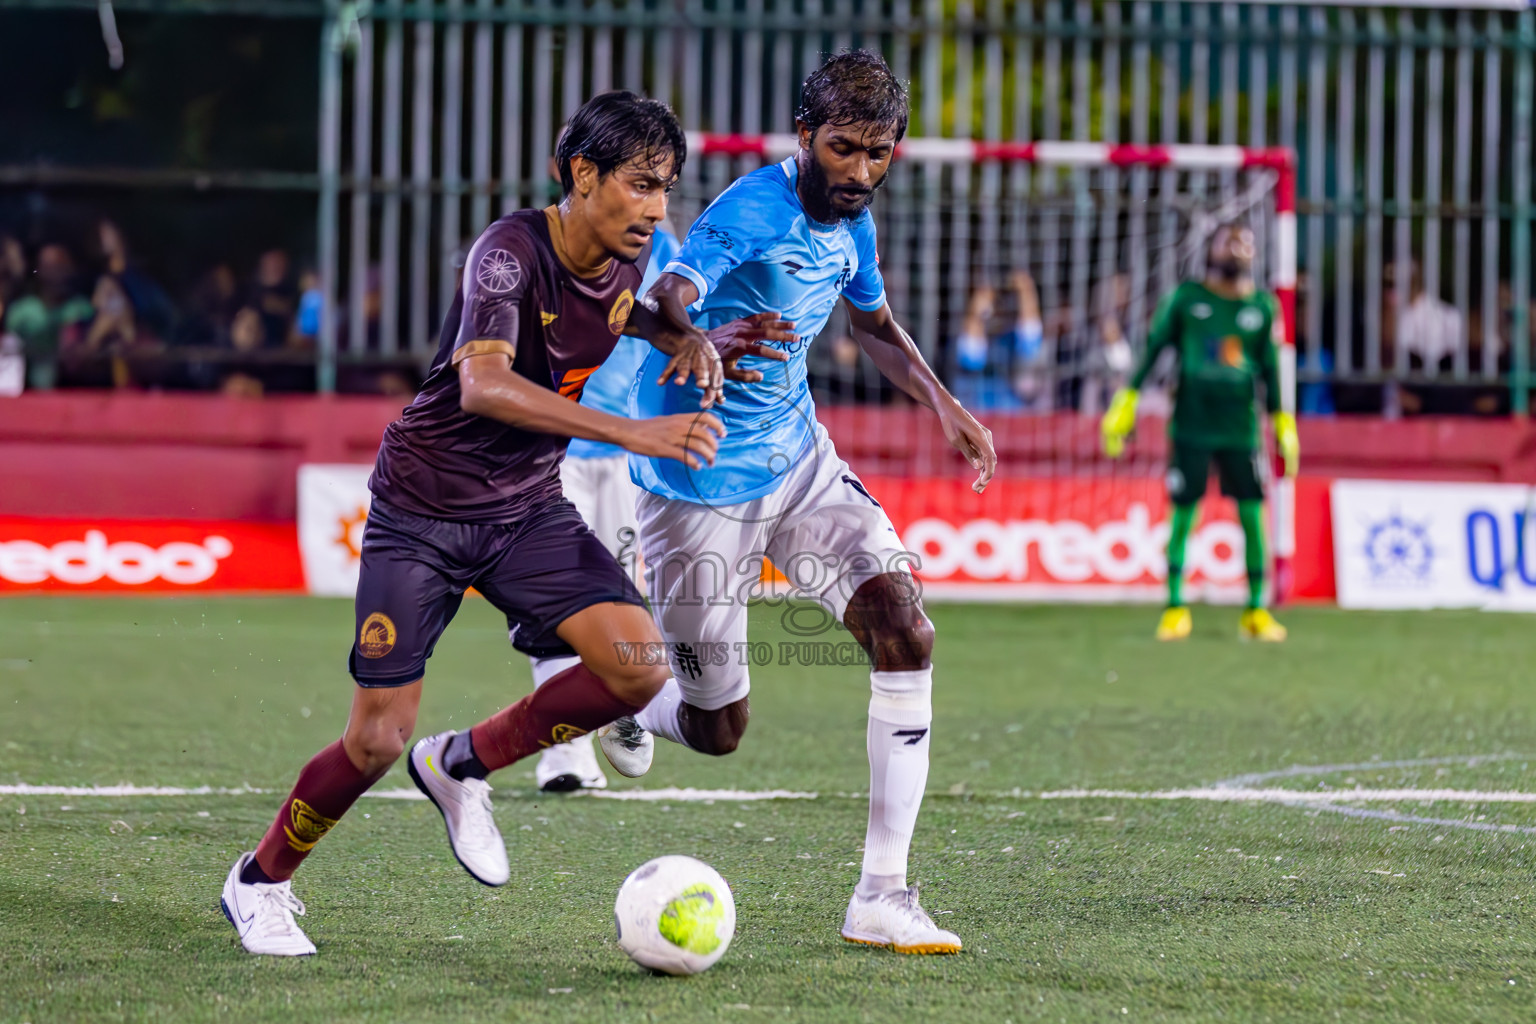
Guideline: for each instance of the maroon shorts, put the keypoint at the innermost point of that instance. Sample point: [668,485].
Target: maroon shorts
[538,572]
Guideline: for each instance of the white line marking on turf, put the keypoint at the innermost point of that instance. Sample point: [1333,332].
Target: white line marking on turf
[1470,760]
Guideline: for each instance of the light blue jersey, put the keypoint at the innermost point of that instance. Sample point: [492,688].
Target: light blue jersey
[755,251]
[607,390]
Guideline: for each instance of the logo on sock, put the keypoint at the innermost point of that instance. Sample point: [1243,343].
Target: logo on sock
[306,828]
[377,637]
[565,733]
[914,736]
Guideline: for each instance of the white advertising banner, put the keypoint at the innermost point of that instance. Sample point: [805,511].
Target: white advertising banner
[333,506]
[1402,544]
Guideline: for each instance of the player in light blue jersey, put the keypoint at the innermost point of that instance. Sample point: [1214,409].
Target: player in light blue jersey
[793,239]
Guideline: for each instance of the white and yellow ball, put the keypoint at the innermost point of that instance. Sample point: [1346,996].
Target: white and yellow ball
[675,914]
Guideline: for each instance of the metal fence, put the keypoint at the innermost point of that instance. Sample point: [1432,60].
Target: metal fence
[1412,127]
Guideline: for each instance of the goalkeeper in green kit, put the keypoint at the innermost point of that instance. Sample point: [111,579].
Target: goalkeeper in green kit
[1223,332]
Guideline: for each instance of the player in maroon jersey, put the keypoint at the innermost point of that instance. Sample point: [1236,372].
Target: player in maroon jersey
[467,494]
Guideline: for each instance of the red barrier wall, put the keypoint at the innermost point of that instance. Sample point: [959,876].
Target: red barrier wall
[188,456]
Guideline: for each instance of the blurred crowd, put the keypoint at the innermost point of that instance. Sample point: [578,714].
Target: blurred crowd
[86,314]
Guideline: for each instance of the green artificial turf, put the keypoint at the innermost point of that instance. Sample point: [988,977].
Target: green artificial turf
[1072,909]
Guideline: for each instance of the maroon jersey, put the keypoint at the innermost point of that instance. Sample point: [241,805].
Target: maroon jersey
[516,298]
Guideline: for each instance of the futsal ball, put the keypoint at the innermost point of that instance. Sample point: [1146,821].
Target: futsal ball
[675,914]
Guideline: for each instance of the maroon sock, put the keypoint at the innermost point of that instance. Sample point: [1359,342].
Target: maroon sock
[328,785]
[572,703]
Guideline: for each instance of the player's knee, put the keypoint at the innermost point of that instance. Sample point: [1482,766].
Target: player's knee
[636,683]
[714,732]
[375,745]
[887,618]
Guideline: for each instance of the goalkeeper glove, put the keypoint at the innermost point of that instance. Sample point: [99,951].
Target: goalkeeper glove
[1287,442]
[1119,421]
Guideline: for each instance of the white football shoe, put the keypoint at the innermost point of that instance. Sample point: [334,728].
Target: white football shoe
[896,921]
[628,747]
[569,766]
[466,807]
[263,914]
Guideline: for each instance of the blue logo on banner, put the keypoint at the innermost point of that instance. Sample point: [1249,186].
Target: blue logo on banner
[1399,551]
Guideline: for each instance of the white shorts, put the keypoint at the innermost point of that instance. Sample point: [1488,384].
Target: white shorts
[703,563]
[605,496]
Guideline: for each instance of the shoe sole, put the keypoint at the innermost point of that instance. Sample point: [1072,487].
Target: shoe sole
[410,767]
[921,949]
[620,769]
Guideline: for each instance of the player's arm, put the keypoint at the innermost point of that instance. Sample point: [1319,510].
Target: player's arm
[1120,420]
[488,386]
[669,299]
[1286,438]
[898,358]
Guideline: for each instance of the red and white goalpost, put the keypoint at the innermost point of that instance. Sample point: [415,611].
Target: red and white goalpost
[1176,166]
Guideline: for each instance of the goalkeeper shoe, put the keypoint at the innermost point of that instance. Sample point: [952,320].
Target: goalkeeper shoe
[628,747]
[569,766]
[263,914]
[896,921]
[466,808]
[1176,624]
[1258,624]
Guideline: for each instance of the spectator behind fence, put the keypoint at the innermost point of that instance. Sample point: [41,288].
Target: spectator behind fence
[13,273]
[152,307]
[43,319]
[116,349]
[1431,332]
[1008,372]
[1109,361]
[275,297]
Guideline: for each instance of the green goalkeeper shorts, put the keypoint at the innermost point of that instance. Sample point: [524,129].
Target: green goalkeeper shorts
[1189,470]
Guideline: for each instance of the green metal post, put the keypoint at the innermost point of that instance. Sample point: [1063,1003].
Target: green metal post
[1521,165]
[326,228]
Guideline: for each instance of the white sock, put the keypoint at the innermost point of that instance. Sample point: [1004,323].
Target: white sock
[545,669]
[659,717]
[900,717]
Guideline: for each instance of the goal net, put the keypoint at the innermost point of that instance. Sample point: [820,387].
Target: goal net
[1028,274]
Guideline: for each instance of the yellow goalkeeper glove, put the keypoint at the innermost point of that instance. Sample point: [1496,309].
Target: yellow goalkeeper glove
[1287,442]
[1119,421]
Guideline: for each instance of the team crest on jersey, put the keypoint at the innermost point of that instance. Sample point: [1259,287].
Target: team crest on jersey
[1249,318]
[377,637]
[305,827]
[618,316]
[498,272]
[1200,311]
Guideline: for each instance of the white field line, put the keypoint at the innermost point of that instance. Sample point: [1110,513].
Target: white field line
[1212,794]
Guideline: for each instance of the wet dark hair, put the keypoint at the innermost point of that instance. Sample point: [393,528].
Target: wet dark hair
[852,87]
[618,127]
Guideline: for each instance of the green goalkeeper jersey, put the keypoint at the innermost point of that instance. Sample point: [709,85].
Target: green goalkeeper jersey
[1225,348]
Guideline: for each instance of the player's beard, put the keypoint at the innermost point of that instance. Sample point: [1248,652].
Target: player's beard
[817,192]
[1229,270]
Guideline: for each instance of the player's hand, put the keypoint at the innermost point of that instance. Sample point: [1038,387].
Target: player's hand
[1119,421]
[1287,441]
[971,439]
[696,357]
[690,438]
[745,337]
